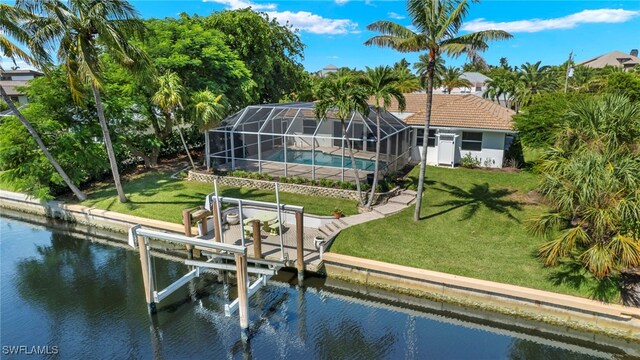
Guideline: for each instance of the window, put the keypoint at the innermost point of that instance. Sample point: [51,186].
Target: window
[471,141]
[431,141]
[478,88]
[309,126]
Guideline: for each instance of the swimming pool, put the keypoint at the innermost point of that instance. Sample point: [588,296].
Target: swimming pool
[323,159]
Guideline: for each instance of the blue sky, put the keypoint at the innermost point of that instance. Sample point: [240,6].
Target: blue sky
[334,30]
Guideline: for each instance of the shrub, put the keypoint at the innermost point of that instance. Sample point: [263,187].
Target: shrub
[469,161]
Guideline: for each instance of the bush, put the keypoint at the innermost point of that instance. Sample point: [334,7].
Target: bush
[469,161]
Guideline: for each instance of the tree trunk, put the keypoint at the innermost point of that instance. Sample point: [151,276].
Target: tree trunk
[425,138]
[79,194]
[374,184]
[108,144]
[186,148]
[184,143]
[353,163]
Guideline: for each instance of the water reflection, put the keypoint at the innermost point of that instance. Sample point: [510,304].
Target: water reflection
[87,298]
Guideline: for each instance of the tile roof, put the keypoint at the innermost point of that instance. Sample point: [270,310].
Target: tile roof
[614,58]
[11,86]
[453,110]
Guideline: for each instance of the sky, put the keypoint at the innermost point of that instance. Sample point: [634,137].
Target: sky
[334,31]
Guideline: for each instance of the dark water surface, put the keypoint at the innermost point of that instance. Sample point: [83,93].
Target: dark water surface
[84,300]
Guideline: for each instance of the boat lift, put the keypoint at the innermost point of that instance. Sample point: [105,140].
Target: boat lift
[219,254]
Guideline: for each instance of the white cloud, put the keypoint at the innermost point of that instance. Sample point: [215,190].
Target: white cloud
[301,20]
[565,22]
[340,2]
[313,23]
[394,15]
[241,4]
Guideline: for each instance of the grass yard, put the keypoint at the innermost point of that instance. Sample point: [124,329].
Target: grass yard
[155,195]
[472,225]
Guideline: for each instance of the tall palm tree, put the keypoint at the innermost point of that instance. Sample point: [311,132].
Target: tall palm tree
[207,110]
[81,30]
[169,98]
[342,95]
[381,84]
[12,22]
[437,23]
[452,79]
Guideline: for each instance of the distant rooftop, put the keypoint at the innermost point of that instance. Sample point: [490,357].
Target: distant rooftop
[614,58]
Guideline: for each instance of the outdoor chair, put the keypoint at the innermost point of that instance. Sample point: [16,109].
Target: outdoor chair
[248,230]
[274,229]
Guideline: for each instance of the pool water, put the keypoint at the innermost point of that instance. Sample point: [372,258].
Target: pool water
[323,159]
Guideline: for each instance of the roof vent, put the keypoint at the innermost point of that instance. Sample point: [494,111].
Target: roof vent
[634,52]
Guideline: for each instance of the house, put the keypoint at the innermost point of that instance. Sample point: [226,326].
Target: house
[478,84]
[614,58]
[11,80]
[461,124]
[328,70]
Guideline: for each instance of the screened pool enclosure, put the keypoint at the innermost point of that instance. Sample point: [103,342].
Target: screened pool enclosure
[289,140]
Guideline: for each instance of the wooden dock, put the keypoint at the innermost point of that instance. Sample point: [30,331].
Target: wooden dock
[270,245]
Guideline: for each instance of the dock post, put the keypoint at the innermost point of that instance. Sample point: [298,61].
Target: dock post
[216,220]
[186,220]
[243,299]
[147,273]
[257,240]
[300,244]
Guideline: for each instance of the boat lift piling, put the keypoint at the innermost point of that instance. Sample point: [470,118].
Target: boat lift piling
[238,253]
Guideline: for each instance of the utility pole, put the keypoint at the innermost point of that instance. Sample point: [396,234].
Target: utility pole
[569,71]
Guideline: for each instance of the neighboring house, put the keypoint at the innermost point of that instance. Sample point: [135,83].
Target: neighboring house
[460,124]
[328,70]
[478,84]
[614,58]
[11,80]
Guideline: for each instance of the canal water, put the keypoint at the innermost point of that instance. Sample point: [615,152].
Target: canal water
[75,297]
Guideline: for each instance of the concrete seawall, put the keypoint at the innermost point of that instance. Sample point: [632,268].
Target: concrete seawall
[84,215]
[570,311]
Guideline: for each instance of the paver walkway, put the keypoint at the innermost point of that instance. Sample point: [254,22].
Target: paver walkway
[393,205]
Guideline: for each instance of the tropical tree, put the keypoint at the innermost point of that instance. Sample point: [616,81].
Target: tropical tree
[12,21]
[533,79]
[169,98]
[592,181]
[342,95]
[437,23]
[421,69]
[207,110]
[381,84]
[452,79]
[82,30]
[503,84]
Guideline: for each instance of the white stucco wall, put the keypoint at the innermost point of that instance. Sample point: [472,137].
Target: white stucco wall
[492,149]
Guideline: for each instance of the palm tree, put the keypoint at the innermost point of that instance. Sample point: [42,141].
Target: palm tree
[592,180]
[533,79]
[168,98]
[437,23]
[421,68]
[503,84]
[383,86]
[342,95]
[11,19]
[82,30]
[207,110]
[452,79]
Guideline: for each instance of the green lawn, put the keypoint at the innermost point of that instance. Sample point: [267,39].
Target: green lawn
[156,196]
[472,225]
